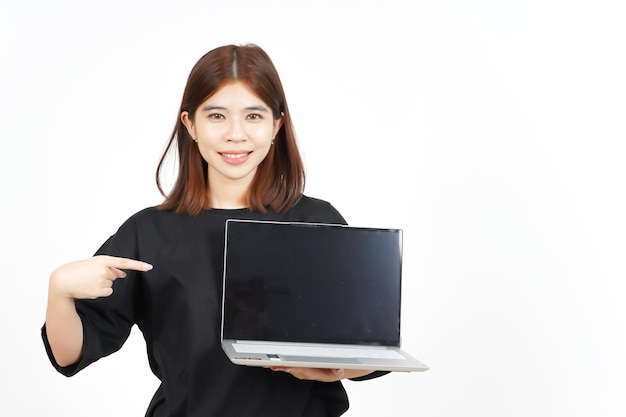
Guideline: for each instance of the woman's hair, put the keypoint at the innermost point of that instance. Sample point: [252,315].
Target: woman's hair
[279,179]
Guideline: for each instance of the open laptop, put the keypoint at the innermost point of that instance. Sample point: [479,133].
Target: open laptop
[313,295]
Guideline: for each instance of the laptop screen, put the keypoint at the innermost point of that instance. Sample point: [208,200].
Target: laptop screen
[303,282]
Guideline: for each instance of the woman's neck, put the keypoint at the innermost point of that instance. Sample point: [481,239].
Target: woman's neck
[228,195]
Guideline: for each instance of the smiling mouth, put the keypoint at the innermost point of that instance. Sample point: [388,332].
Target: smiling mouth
[235,155]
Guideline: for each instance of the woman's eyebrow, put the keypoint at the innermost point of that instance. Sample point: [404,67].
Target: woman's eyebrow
[209,107]
[257,108]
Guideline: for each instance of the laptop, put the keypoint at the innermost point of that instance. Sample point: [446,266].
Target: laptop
[313,295]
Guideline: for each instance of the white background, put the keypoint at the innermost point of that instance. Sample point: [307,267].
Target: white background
[491,131]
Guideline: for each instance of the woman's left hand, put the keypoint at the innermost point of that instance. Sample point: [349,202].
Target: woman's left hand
[319,374]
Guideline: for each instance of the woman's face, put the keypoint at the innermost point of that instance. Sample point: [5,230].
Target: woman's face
[234,129]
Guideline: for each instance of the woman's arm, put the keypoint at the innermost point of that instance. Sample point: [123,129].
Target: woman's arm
[90,278]
[64,328]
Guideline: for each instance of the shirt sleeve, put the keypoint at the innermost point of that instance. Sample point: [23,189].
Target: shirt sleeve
[375,374]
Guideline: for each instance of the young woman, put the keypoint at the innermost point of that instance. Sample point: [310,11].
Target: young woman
[238,158]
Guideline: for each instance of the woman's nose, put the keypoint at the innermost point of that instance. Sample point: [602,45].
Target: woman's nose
[236,131]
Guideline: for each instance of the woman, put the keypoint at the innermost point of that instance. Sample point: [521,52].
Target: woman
[237,159]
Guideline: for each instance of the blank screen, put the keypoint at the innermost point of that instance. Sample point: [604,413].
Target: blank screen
[299,282]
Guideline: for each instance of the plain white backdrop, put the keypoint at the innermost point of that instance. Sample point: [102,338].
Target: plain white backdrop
[491,131]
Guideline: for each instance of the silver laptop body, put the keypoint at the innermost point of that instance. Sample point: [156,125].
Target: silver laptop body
[313,295]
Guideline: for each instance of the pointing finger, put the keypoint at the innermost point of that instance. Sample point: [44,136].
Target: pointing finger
[126,263]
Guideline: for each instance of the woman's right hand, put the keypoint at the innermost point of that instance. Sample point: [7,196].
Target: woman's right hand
[92,277]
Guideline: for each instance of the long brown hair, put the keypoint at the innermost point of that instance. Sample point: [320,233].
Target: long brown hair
[279,179]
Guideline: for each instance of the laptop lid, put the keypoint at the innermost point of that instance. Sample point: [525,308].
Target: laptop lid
[312,284]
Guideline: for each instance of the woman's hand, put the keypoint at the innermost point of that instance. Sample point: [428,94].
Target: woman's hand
[320,374]
[92,277]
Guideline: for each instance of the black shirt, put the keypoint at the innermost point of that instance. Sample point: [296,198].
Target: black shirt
[177,306]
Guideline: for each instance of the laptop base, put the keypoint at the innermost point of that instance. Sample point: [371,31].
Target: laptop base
[239,354]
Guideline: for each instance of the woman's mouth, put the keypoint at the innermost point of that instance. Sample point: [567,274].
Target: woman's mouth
[235,158]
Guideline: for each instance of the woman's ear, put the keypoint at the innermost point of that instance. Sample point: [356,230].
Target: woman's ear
[189,124]
[278,123]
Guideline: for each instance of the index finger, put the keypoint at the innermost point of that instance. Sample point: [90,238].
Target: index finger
[126,263]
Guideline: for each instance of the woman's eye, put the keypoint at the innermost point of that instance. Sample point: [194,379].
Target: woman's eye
[255,116]
[216,116]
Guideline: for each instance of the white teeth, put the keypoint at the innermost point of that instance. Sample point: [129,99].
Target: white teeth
[234,155]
